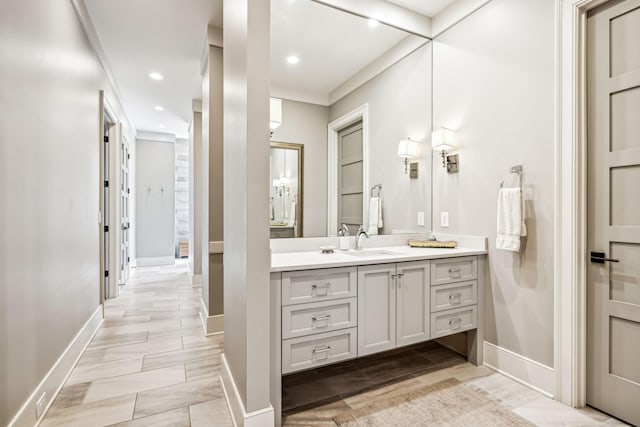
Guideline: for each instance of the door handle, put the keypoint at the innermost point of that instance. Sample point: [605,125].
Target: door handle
[600,258]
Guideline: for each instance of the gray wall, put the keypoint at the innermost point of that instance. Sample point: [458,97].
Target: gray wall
[494,82]
[49,158]
[155,209]
[195,188]
[306,124]
[246,198]
[399,106]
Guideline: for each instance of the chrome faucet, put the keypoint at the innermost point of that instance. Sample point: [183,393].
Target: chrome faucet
[359,233]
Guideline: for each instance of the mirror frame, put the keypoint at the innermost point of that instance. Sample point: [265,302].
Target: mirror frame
[300,205]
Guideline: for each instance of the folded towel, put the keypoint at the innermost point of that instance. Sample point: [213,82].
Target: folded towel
[511,218]
[375,215]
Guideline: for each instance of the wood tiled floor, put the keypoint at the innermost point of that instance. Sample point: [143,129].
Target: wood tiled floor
[150,363]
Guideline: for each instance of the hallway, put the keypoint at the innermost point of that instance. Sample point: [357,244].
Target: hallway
[149,363]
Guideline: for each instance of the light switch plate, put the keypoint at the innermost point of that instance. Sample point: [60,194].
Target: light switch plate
[444,219]
[421,219]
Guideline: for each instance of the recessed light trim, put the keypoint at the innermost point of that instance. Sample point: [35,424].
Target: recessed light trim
[158,108]
[156,76]
[373,22]
[293,59]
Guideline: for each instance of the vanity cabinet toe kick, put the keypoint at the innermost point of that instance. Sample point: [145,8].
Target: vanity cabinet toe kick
[326,316]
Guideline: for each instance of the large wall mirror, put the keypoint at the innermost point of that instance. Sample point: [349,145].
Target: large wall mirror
[351,90]
[286,210]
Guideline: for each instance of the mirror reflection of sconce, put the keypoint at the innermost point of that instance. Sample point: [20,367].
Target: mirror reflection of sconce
[281,186]
[408,149]
[275,114]
[443,140]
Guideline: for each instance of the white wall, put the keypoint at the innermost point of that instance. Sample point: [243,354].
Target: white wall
[49,164]
[399,106]
[493,81]
[155,209]
[306,124]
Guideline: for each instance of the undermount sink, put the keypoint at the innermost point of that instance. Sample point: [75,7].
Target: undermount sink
[371,253]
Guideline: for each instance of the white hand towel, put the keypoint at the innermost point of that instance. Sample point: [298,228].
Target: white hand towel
[511,225]
[375,215]
[292,214]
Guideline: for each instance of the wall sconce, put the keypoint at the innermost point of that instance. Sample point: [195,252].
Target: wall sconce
[281,186]
[408,149]
[275,113]
[443,140]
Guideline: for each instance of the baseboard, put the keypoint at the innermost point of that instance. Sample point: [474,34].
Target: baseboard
[519,368]
[153,261]
[57,375]
[260,418]
[212,325]
[196,280]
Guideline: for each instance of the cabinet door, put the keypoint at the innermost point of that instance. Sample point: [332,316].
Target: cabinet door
[413,309]
[376,308]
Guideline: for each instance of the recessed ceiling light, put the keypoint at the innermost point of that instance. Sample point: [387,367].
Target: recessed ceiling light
[373,23]
[158,108]
[162,126]
[292,59]
[156,76]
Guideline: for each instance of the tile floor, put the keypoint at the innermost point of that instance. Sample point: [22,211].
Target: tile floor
[151,365]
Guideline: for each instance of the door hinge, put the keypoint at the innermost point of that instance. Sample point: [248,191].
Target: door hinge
[106,273]
[128,190]
[106,139]
[128,259]
[106,184]
[106,228]
[128,156]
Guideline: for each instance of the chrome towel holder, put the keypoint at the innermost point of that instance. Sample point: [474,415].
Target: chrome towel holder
[515,169]
[378,189]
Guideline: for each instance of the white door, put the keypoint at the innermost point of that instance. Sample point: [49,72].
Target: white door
[125,222]
[613,285]
[412,302]
[376,308]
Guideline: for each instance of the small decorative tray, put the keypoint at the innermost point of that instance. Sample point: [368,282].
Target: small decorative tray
[432,244]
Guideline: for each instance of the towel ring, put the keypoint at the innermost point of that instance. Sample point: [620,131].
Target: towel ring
[378,189]
[515,169]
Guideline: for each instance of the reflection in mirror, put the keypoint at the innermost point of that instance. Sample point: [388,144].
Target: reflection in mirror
[351,91]
[285,207]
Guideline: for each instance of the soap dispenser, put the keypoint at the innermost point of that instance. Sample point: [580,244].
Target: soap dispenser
[343,235]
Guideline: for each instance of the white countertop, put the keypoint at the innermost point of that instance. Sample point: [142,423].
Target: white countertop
[292,261]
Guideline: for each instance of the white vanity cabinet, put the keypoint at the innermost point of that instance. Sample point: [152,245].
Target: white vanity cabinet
[393,301]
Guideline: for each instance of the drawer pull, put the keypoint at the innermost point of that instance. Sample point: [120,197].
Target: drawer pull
[455,270]
[324,318]
[455,323]
[324,286]
[322,350]
[453,297]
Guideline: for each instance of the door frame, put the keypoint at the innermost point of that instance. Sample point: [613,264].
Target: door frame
[570,235]
[360,113]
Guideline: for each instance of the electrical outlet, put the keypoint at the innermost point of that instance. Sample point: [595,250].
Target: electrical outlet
[40,405]
[444,219]
[421,219]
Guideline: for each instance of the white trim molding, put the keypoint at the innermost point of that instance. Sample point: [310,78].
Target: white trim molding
[570,197]
[153,261]
[360,113]
[59,372]
[261,418]
[212,325]
[519,368]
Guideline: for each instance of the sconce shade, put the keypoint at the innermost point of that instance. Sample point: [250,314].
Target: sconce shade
[276,182]
[275,113]
[443,139]
[407,149]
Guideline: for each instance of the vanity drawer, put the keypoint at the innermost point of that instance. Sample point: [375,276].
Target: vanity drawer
[318,350]
[453,270]
[318,285]
[305,319]
[452,295]
[453,321]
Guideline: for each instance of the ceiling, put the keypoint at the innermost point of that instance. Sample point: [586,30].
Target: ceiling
[426,7]
[332,46]
[165,36]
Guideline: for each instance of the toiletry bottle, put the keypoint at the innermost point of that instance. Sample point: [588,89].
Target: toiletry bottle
[343,234]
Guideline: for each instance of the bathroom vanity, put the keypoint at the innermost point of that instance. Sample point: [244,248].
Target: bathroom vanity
[328,308]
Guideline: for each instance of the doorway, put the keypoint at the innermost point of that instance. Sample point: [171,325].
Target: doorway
[350,168]
[613,209]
